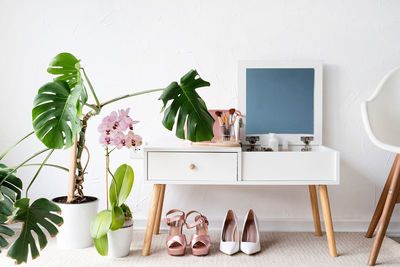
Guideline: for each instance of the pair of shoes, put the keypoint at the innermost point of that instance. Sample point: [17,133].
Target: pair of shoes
[176,240]
[250,239]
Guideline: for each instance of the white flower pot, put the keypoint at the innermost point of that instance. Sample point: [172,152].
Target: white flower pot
[119,241]
[75,231]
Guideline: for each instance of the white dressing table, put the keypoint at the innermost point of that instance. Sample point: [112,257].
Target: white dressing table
[203,165]
[274,97]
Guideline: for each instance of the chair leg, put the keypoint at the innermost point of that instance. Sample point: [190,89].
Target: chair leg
[151,220]
[156,229]
[381,202]
[386,214]
[326,211]
[315,210]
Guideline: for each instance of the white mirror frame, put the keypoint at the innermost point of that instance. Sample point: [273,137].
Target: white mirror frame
[293,139]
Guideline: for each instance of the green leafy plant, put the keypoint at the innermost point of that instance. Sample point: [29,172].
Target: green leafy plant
[189,108]
[54,114]
[59,102]
[39,214]
[60,121]
[114,218]
[10,191]
[32,217]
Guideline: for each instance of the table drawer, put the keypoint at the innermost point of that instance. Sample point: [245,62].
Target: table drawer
[192,166]
[290,166]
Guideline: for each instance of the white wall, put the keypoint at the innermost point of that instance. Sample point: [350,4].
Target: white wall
[133,45]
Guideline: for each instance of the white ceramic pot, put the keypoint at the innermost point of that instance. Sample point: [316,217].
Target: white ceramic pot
[119,241]
[75,231]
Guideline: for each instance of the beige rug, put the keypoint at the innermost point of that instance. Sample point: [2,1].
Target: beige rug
[278,249]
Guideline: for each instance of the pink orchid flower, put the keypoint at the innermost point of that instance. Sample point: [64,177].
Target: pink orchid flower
[118,140]
[105,140]
[125,120]
[133,140]
[106,126]
[112,130]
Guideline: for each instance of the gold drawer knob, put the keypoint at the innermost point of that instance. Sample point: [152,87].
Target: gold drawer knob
[192,166]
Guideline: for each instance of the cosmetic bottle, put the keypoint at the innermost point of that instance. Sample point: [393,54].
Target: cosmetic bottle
[285,145]
[273,142]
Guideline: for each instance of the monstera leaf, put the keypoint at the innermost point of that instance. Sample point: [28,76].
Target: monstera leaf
[55,114]
[10,190]
[12,182]
[67,68]
[4,230]
[189,108]
[34,218]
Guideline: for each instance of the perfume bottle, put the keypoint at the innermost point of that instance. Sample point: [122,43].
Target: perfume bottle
[285,145]
[273,142]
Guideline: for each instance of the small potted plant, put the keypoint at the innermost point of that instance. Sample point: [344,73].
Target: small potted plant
[111,229]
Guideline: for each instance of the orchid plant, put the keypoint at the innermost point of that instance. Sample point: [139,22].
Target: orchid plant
[60,121]
[116,132]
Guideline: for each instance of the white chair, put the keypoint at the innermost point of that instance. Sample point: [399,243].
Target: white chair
[381,117]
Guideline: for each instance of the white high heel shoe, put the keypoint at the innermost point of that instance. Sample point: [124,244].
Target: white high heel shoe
[250,240]
[229,243]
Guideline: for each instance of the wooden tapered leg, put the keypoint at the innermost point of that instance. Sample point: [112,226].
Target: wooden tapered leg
[151,219]
[326,211]
[156,229]
[386,214]
[381,202]
[315,211]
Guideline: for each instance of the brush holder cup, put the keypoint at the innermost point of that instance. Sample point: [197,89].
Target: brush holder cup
[227,133]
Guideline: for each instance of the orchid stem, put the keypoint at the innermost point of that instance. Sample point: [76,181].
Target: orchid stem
[107,170]
[112,176]
[38,171]
[115,186]
[111,150]
[11,147]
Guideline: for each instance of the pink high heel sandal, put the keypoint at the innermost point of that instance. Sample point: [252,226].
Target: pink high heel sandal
[176,241]
[200,242]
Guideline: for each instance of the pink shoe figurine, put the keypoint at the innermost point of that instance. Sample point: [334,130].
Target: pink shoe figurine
[200,242]
[176,241]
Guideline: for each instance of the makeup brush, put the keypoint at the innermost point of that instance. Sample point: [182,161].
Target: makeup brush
[224,121]
[218,114]
[231,112]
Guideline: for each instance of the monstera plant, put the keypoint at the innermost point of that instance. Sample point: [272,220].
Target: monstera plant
[60,121]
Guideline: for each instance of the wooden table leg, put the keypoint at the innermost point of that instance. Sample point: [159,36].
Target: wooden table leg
[156,229]
[386,214]
[326,211]
[151,219]
[315,210]
[381,202]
